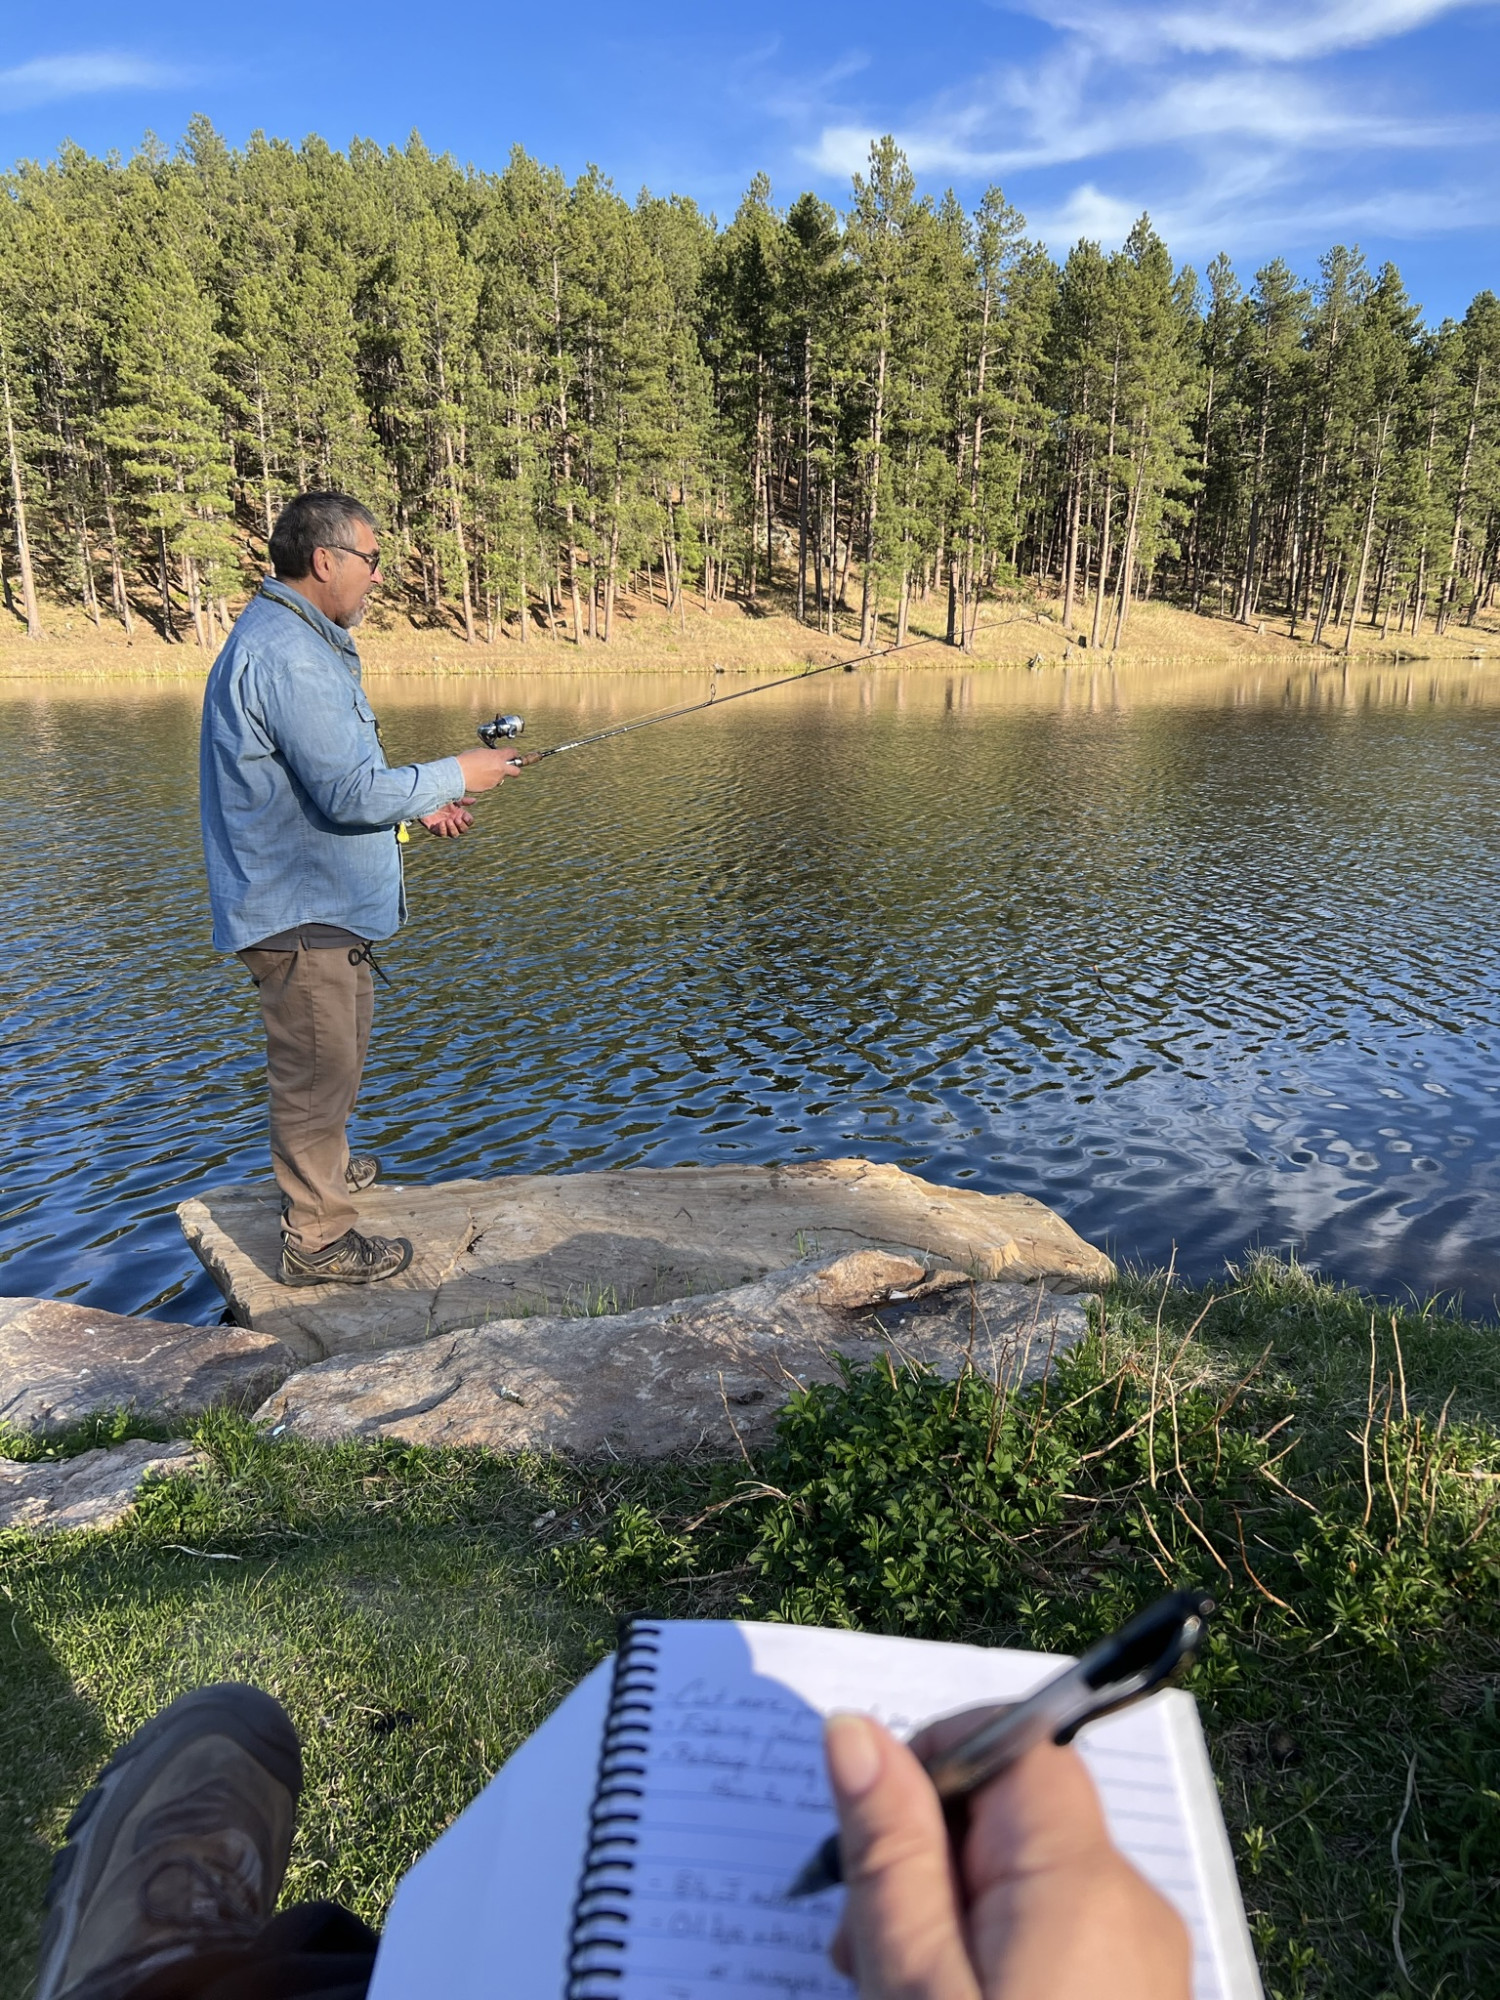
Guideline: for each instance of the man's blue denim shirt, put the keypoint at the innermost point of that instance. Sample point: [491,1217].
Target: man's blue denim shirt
[299,805]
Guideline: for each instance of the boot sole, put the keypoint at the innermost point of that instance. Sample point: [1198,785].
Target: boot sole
[246,1715]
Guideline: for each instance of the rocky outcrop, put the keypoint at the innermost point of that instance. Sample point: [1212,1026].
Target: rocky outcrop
[95,1490]
[697,1377]
[60,1364]
[550,1245]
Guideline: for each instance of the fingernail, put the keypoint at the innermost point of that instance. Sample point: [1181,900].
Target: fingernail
[853,1751]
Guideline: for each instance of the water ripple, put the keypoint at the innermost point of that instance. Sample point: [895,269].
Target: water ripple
[1202,964]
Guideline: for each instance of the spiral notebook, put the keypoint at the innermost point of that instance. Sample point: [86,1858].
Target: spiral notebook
[639,1847]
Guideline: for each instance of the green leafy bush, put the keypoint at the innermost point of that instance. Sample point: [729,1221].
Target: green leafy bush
[1350,1538]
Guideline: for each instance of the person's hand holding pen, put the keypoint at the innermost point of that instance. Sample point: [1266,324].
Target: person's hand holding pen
[1035,1903]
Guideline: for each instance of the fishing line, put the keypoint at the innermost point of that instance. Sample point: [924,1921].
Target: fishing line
[505,728]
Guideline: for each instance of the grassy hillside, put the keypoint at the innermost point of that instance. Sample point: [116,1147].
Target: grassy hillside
[742,639]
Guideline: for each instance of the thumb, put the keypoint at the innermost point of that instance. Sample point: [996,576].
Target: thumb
[900,1934]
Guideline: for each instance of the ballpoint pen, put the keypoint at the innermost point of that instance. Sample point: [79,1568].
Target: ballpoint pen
[1133,1662]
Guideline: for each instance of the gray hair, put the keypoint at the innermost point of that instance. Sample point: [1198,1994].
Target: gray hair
[314,521]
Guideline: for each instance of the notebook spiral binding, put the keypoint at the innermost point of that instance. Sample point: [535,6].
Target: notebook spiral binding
[601,1913]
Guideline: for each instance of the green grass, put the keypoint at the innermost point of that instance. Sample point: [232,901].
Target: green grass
[1331,1475]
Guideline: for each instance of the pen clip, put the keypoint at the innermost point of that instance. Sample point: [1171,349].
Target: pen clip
[1140,1657]
[1133,1661]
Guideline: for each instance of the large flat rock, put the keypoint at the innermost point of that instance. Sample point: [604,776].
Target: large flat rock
[553,1244]
[95,1490]
[61,1363]
[699,1377]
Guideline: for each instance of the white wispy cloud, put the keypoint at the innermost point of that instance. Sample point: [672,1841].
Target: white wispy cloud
[1202,221]
[1278,31]
[1239,110]
[1051,118]
[49,79]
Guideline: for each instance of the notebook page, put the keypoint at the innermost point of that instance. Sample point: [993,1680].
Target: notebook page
[735,1798]
[497,1888]
[734,1788]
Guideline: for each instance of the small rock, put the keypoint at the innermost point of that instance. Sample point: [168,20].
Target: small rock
[95,1490]
[870,1277]
[1283,1747]
[61,1363]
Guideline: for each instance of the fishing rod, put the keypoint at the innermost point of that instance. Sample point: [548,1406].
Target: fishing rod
[506,728]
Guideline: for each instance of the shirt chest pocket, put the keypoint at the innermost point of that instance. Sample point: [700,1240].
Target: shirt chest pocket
[366,714]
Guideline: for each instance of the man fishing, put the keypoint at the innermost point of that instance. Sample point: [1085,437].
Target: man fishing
[301,823]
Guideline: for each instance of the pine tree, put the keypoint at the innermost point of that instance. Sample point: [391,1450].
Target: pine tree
[554,395]
[166,425]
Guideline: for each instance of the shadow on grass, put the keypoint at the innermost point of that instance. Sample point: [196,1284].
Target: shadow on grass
[390,1600]
[51,1744]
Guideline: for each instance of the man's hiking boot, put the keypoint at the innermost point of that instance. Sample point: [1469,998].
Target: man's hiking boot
[179,1847]
[351,1260]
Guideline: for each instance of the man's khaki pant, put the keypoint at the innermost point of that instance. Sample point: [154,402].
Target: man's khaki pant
[317,1009]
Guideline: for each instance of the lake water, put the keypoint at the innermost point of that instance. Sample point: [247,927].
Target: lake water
[1202,960]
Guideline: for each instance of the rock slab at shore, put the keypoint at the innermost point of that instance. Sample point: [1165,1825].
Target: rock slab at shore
[61,1364]
[547,1245]
[95,1490]
[701,1377]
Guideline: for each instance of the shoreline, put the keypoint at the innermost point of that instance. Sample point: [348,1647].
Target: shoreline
[756,639]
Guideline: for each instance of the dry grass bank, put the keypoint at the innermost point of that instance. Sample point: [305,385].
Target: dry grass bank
[740,638]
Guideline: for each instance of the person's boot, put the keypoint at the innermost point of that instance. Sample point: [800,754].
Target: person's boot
[180,1846]
[351,1260]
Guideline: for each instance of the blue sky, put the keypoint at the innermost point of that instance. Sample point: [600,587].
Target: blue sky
[1252,126]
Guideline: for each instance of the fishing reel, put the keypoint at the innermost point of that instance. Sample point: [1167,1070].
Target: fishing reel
[504,729]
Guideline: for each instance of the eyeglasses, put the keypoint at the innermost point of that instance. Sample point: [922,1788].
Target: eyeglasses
[370,556]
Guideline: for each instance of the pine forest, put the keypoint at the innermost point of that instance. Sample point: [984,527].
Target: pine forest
[554,397]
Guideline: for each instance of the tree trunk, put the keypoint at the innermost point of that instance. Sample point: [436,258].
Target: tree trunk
[877,435]
[1127,560]
[971,621]
[86,565]
[18,505]
[833,550]
[1368,536]
[169,629]
[1194,570]
[976,446]
[195,600]
[1450,582]
[770,526]
[614,560]
[1101,582]
[118,589]
[265,454]
[1070,551]
[805,474]
[566,452]
[1328,581]
[1105,551]
[1483,584]
[817,543]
